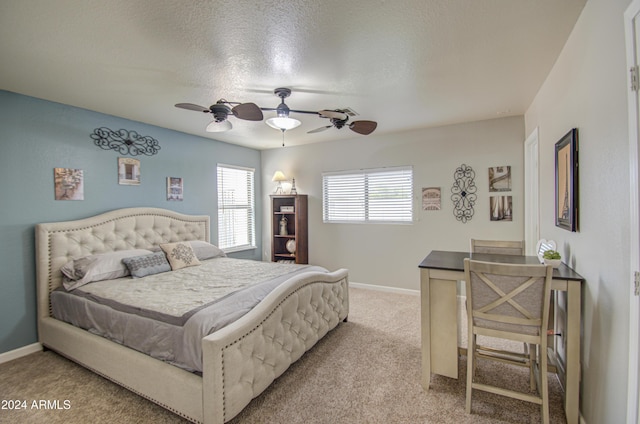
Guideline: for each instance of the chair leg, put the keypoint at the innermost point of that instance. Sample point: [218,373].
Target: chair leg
[471,367]
[532,364]
[544,388]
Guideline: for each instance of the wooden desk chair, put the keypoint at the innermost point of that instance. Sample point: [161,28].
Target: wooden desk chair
[510,302]
[500,247]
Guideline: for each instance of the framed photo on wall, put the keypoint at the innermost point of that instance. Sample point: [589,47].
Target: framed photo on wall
[500,178]
[567,181]
[128,171]
[69,183]
[501,208]
[174,188]
[431,199]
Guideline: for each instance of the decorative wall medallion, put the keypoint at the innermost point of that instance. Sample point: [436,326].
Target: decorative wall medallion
[125,142]
[463,193]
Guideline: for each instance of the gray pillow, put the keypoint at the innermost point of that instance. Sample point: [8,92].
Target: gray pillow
[153,263]
[203,250]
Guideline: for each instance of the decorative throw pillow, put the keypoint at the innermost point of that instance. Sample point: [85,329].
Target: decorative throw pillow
[180,255]
[204,250]
[102,266]
[153,263]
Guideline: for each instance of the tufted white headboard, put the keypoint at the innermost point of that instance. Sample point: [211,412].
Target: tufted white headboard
[121,229]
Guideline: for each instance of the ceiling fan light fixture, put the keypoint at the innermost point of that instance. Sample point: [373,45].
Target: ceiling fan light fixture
[283,123]
[219,126]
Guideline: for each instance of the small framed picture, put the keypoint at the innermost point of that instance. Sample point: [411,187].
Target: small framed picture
[431,199]
[69,184]
[174,188]
[500,178]
[501,208]
[128,171]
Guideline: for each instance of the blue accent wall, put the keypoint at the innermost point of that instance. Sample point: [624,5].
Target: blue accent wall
[37,136]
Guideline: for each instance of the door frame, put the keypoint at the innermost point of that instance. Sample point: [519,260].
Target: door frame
[633,400]
[531,192]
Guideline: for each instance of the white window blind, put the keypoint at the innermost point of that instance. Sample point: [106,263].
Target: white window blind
[368,195]
[236,204]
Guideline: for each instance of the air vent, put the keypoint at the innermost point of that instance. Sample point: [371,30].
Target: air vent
[350,112]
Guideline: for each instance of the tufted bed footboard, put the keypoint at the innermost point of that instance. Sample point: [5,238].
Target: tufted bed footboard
[247,356]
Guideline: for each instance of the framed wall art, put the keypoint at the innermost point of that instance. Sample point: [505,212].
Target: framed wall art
[566,152]
[501,208]
[128,171]
[69,183]
[431,199]
[174,188]
[500,178]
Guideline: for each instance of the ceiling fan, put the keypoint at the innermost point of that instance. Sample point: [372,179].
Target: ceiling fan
[340,118]
[221,111]
[251,112]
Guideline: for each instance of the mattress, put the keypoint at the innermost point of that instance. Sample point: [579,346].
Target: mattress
[166,315]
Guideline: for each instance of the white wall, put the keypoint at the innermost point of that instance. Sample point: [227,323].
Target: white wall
[389,255]
[587,89]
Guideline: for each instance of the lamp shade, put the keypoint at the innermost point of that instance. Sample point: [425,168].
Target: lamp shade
[283,123]
[215,126]
[279,177]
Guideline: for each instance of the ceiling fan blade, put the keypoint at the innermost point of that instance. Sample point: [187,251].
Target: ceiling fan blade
[363,127]
[247,111]
[222,126]
[333,114]
[319,129]
[191,106]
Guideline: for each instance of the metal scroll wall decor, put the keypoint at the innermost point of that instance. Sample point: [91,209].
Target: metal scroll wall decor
[463,193]
[125,142]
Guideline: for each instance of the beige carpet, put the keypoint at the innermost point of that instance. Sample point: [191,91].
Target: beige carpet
[367,370]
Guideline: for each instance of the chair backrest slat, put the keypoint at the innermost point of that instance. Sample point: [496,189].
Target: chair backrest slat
[499,247]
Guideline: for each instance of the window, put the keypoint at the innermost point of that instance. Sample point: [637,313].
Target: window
[236,208]
[368,195]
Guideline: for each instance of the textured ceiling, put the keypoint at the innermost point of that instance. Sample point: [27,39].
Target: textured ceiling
[406,64]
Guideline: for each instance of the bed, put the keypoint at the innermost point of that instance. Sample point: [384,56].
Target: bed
[239,361]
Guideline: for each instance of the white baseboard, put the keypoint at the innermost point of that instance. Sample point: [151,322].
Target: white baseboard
[20,352]
[384,288]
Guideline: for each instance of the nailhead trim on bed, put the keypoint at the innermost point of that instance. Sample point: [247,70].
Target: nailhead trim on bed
[133,238]
[335,297]
[193,420]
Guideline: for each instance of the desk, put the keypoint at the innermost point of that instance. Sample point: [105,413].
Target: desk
[439,273]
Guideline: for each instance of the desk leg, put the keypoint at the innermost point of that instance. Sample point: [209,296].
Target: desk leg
[444,328]
[572,396]
[439,314]
[425,329]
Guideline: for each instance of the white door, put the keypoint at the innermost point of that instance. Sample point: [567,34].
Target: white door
[632,35]
[531,214]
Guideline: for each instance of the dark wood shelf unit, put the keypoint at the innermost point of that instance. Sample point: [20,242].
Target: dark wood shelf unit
[297,228]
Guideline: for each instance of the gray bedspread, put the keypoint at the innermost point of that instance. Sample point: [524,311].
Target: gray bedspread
[167,315]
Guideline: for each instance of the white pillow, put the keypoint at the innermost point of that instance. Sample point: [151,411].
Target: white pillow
[204,250]
[102,266]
